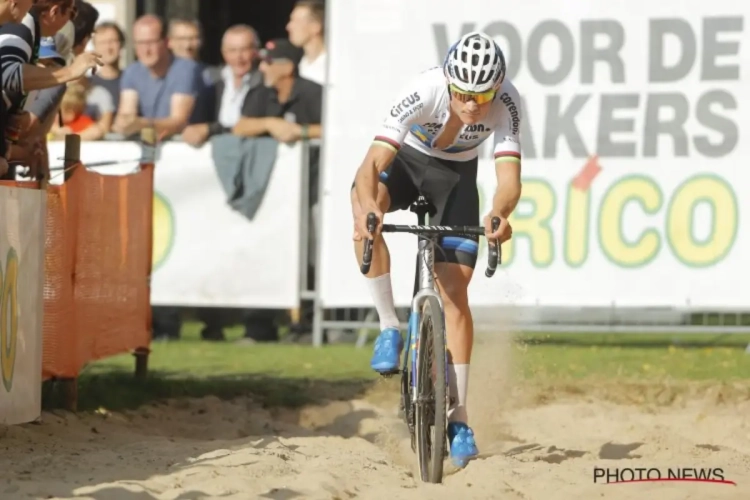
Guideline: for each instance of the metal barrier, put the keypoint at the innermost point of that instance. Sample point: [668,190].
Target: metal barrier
[612,319]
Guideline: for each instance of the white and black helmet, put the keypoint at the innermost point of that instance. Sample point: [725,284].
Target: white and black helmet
[475,63]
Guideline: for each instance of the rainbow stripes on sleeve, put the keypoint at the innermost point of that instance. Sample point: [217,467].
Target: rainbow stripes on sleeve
[511,156]
[387,142]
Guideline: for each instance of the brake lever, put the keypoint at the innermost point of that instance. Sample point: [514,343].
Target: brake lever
[493,249]
[372,223]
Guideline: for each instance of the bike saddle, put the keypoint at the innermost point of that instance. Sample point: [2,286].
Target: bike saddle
[423,206]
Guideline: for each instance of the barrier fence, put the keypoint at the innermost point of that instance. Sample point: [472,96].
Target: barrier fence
[75,280]
[97,267]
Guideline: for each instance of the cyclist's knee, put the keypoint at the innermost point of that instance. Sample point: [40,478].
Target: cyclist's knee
[454,280]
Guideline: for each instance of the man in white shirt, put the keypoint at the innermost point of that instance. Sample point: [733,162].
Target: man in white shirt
[239,48]
[306,30]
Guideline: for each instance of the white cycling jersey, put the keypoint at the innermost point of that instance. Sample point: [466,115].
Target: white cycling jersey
[422,109]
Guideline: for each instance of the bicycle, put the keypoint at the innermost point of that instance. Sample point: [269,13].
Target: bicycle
[424,372]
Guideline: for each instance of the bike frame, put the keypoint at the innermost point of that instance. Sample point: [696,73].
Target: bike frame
[424,287]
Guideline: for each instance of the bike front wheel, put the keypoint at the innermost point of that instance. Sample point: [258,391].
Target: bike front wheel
[431,388]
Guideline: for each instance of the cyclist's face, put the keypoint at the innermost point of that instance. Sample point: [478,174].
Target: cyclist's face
[470,107]
[470,112]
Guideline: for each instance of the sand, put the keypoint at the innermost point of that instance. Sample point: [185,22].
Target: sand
[537,442]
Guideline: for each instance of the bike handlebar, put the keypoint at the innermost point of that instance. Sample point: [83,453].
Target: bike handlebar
[494,254]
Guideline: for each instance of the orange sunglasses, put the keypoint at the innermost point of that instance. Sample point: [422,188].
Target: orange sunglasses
[478,97]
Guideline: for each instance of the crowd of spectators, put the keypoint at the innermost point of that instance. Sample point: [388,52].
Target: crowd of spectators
[53,87]
[170,89]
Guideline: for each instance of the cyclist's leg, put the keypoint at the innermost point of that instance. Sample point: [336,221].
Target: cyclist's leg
[454,268]
[395,192]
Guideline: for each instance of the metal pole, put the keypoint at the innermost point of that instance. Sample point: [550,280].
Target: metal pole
[72,154]
[318,310]
[304,233]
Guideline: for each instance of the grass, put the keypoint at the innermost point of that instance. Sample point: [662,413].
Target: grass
[691,357]
[294,375]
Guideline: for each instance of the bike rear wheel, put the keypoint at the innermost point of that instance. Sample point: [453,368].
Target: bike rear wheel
[431,388]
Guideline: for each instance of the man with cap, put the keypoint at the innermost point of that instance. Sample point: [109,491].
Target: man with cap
[288,108]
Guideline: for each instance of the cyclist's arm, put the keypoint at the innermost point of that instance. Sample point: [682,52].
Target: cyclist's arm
[508,158]
[508,191]
[378,158]
[388,140]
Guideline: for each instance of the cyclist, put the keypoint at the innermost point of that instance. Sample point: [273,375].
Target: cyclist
[428,145]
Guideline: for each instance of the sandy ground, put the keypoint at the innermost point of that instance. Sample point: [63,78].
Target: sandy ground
[536,443]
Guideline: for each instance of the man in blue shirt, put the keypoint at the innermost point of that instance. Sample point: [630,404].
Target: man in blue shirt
[159,89]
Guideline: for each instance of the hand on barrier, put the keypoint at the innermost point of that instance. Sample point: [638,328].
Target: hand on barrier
[196,135]
[34,156]
[282,130]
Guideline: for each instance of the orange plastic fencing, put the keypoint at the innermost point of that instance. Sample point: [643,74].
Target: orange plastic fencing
[97,269]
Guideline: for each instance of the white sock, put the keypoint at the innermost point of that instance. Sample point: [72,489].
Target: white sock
[382,296]
[458,384]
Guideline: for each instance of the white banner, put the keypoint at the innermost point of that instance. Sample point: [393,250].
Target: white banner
[22,212]
[632,155]
[206,253]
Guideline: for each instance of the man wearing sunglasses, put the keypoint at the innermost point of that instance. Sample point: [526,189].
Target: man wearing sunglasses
[428,145]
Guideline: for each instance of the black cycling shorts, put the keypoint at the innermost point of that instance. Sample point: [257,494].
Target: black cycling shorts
[451,186]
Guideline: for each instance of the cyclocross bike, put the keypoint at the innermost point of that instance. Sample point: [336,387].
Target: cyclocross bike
[424,372]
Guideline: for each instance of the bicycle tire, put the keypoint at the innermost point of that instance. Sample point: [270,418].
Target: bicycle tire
[431,407]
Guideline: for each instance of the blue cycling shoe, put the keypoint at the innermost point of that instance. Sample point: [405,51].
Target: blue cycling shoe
[463,445]
[387,351]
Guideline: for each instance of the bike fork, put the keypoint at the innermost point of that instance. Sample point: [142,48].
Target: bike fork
[413,336]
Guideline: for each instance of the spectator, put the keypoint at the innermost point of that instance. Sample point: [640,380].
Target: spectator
[72,112]
[100,107]
[185,38]
[287,108]
[306,30]
[108,42]
[19,49]
[68,42]
[83,25]
[12,11]
[159,89]
[239,47]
